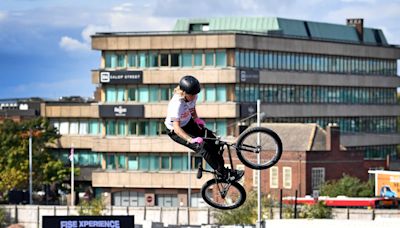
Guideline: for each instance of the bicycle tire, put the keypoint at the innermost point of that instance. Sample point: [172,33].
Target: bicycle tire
[213,197]
[269,148]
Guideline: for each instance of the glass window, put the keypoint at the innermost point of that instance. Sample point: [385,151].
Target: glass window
[143,94]
[317,177]
[221,93]
[144,162]
[220,58]
[177,163]
[120,94]
[164,59]
[153,128]
[64,128]
[209,58]
[111,94]
[198,59]
[164,94]
[165,163]
[175,59]
[111,127]
[142,59]
[110,60]
[273,177]
[121,127]
[74,127]
[153,59]
[154,162]
[132,94]
[121,60]
[83,127]
[143,128]
[131,59]
[186,59]
[94,127]
[132,128]
[153,94]
[121,161]
[133,162]
[110,161]
[166,200]
[287,177]
[210,93]
[222,127]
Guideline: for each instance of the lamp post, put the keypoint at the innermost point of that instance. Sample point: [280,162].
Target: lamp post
[30,166]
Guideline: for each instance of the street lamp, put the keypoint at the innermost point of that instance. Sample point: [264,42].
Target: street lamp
[31,132]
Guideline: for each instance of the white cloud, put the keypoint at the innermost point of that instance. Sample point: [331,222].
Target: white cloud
[70,44]
[3,15]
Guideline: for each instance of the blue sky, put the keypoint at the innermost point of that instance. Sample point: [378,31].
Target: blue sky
[45,44]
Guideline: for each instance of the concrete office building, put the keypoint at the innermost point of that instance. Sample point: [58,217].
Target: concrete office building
[303,72]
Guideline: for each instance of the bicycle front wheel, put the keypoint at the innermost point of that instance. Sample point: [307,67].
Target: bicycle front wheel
[259,148]
[223,195]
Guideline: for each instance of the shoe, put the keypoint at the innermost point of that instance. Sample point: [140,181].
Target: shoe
[237,174]
[231,175]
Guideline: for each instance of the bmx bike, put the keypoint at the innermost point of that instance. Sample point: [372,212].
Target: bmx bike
[257,148]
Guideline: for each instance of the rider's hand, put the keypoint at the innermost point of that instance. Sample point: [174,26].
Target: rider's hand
[200,122]
[198,140]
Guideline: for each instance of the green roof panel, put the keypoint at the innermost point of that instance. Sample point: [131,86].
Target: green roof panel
[332,32]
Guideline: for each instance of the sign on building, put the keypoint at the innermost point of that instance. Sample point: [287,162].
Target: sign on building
[121,77]
[88,221]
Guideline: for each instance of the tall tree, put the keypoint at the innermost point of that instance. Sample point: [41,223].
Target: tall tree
[14,155]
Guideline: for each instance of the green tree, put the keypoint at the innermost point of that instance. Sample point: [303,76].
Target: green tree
[245,214]
[315,211]
[347,186]
[14,155]
[91,207]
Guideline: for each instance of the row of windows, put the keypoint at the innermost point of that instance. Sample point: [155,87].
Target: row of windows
[267,93]
[81,157]
[348,124]
[314,63]
[314,94]
[378,152]
[122,127]
[274,177]
[137,199]
[156,93]
[153,128]
[145,59]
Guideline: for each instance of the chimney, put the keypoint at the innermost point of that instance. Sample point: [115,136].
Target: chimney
[333,137]
[358,23]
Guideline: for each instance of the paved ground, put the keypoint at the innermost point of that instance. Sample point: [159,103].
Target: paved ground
[332,223]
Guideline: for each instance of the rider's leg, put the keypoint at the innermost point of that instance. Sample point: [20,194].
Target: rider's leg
[209,150]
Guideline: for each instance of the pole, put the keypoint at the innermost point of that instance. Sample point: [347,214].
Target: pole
[30,167]
[72,176]
[259,214]
[189,189]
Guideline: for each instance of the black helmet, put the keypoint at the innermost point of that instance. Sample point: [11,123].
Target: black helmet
[189,85]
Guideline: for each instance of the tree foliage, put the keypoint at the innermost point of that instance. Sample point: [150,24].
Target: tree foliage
[245,214]
[348,186]
[14,155]
[316,211]
[91,207]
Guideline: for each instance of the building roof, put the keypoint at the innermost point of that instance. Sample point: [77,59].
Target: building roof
[283,27]
[299,136]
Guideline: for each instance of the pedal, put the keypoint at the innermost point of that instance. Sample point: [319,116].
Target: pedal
[199,172]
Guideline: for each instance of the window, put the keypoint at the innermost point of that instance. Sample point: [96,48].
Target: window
[166,200]
[94,128]
[111,94]
[131,59]
[128,198]
[175,59]
[287,177]
[110,60]
[142,60]
[133,162]
[187,59]
[317,177]
[209,58]
[220,58]
[273,177]
[153,59]
[198,59]
[121,60]
[110,161]
[164,59]
[83,127]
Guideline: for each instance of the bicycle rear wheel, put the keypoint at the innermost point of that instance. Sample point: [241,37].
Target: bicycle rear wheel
[223,195]
[259,141]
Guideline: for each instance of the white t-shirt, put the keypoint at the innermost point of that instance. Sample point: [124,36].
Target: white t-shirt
[179,110]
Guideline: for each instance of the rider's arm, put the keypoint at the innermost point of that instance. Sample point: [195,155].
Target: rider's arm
[180,132]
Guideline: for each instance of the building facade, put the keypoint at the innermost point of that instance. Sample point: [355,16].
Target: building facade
[303,72]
